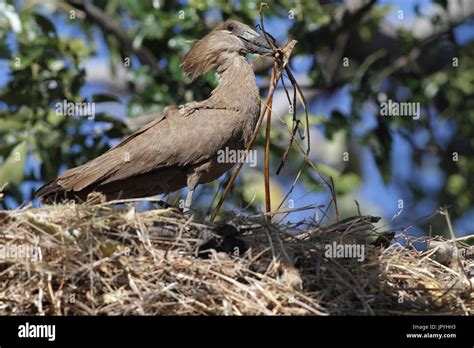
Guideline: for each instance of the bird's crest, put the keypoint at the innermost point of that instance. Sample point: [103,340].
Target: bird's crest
[201,58]
[204,55]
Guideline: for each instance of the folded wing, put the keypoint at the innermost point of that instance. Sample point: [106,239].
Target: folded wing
[173,142]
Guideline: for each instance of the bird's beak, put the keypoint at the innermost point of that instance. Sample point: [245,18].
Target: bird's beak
[255,42]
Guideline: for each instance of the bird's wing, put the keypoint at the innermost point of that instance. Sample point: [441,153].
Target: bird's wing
[172,141]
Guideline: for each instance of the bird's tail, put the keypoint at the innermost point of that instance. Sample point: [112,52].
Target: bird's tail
[50,192]
[63,188]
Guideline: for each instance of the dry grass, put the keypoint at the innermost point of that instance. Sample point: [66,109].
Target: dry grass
[100,260]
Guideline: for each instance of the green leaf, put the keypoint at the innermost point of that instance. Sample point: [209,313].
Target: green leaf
[54,119]
[11,171]
[347,183]
[328,171]
[9,125]
[456,184]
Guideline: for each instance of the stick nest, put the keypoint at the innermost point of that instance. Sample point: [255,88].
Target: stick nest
[100,260]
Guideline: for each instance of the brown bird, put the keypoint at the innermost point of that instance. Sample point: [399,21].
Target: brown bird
[181,148]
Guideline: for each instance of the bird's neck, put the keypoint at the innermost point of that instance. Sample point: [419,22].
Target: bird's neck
[237,88]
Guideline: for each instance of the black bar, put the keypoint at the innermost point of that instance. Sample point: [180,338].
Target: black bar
[243,330]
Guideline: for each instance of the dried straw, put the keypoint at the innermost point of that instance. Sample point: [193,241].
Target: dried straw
[101,260]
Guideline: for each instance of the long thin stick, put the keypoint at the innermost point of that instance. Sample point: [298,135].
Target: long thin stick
[268,205]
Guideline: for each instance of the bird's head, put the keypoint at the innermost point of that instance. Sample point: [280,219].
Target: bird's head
[242,37]
[227,40]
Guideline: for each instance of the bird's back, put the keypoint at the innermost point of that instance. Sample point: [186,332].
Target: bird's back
[157,158]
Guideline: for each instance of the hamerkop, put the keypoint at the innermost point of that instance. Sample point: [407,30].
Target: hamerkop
[181,147]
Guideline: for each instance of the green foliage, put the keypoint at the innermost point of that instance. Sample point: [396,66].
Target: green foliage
[44,71]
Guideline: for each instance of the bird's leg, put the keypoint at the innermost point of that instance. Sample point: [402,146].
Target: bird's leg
[192,180]
[189,200]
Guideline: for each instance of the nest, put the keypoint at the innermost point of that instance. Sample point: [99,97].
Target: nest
[80,259]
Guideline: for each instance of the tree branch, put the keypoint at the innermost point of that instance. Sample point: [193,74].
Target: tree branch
[97,16]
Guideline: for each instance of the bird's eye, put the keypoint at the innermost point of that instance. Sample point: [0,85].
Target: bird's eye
[230,27]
